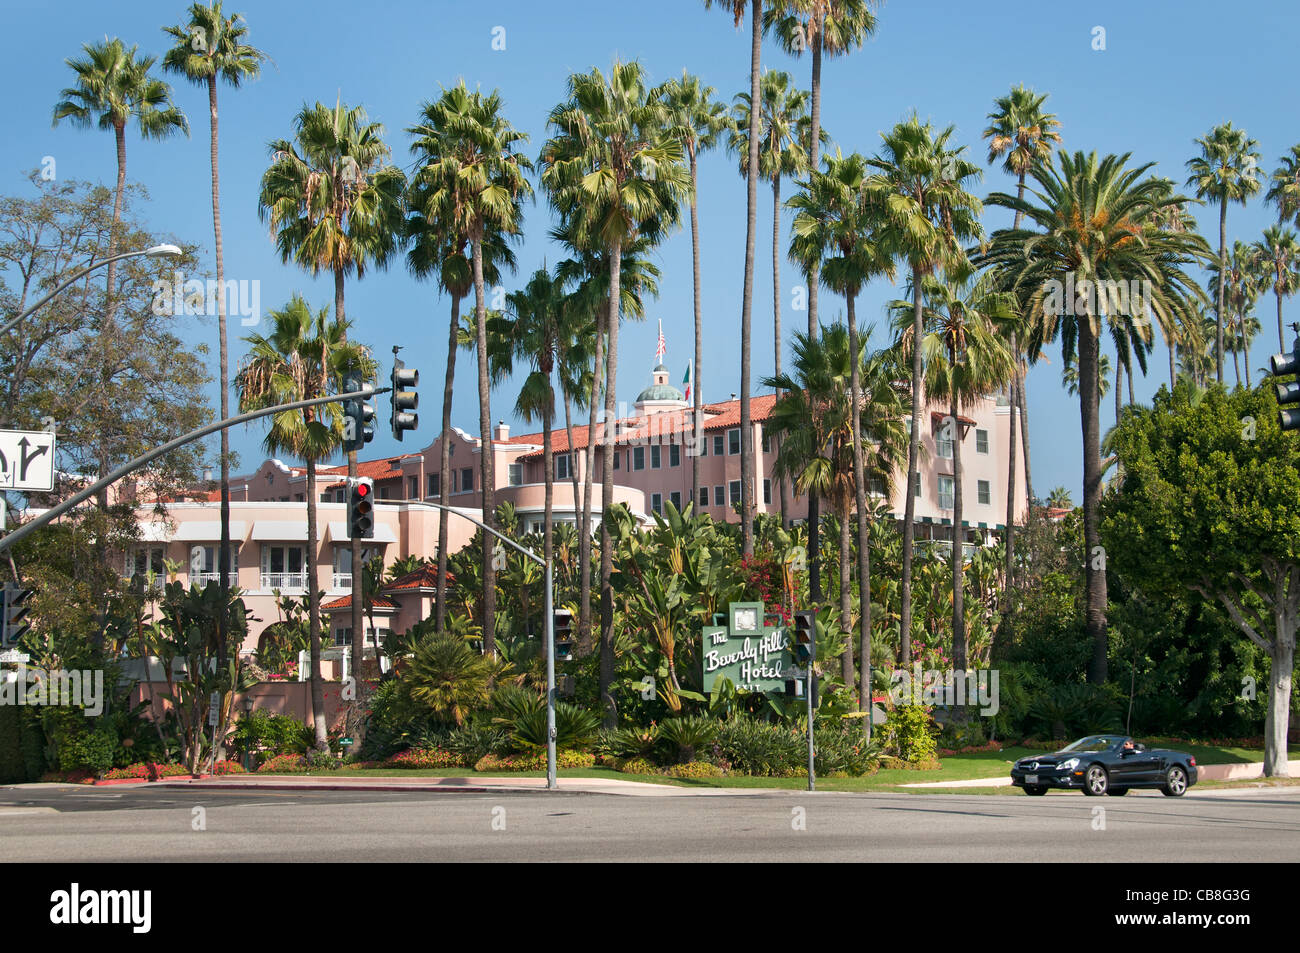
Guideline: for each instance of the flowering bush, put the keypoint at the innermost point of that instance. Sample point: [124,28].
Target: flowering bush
[284,764]
[535,762]
[636,766]
[228,767]
[910,732]
[425,758]
[694,769]
[150,771]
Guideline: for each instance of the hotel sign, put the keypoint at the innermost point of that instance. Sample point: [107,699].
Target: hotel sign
[746,650]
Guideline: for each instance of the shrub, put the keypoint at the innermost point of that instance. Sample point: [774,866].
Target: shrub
[637,766]
[425,758]
[228,767]
[629,742]
[909,730]
[535,761]
[574,728]
[87,750]
[685,737]
[284,764]
[757,748]
[695,769]
[268,733]
[472,742]
[1070,711]
[898,764]
[841,749]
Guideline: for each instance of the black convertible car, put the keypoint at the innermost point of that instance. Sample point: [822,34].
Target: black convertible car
[1106,764]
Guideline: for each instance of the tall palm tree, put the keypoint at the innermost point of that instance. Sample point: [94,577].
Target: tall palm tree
[465,165]
[614,173]
[1238,287]
[306,355]
[835,228]
[827,28]
[1070,380]
[209,47]
[114,87]
[737,10]
[1277,256]
[1020,132]
[1092,220]
[1173,218]
[965,360]
[1226,171]
[920,186]
[699,122]
[334,203]
[1284,186]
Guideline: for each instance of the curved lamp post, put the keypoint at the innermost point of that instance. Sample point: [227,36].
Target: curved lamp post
[156,251]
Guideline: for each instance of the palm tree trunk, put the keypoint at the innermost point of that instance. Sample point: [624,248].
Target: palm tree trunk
[1223,270]
[1094,555]
[846,589]
[584,536]
[783,488]
[747,295]
[1128,374]
[355,722]
[699,339]
[444,466]
[1022,394]
[486,462]
[607,493]
[1245,349]
[913,457]
[1236,362]
[1010,531]
[864,536]
[1119,385]
[1281,345]
[110,307]
[223,554]
[548,475]
[959,646]
[573,469]
[313,615]
[814,149]
[814,547]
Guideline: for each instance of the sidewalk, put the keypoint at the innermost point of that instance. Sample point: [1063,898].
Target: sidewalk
[485,785]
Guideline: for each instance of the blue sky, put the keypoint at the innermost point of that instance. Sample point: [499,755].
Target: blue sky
[1169,72]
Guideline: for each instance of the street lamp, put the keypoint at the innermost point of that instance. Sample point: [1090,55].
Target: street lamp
[155,251]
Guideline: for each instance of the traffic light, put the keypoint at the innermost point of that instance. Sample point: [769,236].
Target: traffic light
[361,509]
[1288,395]
[404,400]
[563,628]
[15,608]
[804,642]
[358,418]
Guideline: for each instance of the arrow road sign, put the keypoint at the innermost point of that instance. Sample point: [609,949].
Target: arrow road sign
[26,460]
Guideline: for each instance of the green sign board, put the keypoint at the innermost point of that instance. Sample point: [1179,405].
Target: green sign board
[753,655]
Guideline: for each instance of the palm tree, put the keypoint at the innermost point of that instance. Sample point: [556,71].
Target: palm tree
[1070,378]
[458,141]
[827,28]
[834,233]
[920,186]
[1277,257]
[1284,186]
[737,9]
[965,360]
[698,121]
[210,46]
[1225,171]
[334,203]
[1021,133]
[306,355]
[1093,220]
[1059,499]
[113,87]
[614,173]
[1238,288]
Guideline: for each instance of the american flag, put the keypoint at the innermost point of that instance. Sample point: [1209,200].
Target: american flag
[662,348]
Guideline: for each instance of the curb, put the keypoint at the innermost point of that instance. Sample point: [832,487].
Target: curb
[237,786]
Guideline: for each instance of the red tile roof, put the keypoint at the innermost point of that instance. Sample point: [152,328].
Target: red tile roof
[426,577]
[346,603]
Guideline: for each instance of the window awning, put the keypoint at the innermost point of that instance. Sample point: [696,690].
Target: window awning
[383,533]
[288,531]
[207,531]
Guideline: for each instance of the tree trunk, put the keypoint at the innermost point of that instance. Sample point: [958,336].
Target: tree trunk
[1010,531]
[589,461]
[1236,363]
[913,459]
[1023,395]
[814,547]
[814,149]
[486,462]
[864,534]
[223,554]
[313,616]
[1094,555]
[846,592]
[783,488]
[1281,345]
[1223,270]
[1279,697]
[1119,385]
[699,340]
[747,295]
[444,467]
[548,475]
[959,645]
[607,493]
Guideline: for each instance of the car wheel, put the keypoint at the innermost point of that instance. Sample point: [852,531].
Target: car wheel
[1096,782]
[1035,789]
[1117,792]
[1175,782]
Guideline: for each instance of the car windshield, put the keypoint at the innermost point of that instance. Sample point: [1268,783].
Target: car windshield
[1095,743]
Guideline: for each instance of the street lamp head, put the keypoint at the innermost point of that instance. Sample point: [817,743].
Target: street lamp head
[163,251]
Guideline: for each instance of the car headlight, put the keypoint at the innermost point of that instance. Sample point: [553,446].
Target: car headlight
[1069,765]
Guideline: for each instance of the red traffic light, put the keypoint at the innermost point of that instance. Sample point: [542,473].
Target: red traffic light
[363,489]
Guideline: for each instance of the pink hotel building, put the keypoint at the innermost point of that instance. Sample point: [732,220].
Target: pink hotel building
[651,464]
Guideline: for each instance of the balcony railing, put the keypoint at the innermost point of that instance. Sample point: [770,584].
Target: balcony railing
[343,580]
[203,578]
[284,580]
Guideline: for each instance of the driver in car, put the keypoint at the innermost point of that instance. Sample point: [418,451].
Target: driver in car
[1128,745]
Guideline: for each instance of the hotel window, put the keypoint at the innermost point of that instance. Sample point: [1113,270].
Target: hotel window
[516,474]
[676,498]
[561,466]
[916,486]
[466,479]
[943,439]
[657,502]
[617,458]
[638,458]
[733,441]
[767,444]
[655,457]
[704,496]
[718,498]
[733,490]
[412,487]
[876,485]
[985,495]
[284,567]
[981,441]
[205,566]
[146,560]
[434,481]
[945,492]
[704,445]
[717,445]
[674,455]
[767,492]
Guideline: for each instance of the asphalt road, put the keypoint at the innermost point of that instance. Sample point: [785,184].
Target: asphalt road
[157,824]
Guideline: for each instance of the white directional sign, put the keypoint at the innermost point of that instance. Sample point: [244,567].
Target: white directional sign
[26,460]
